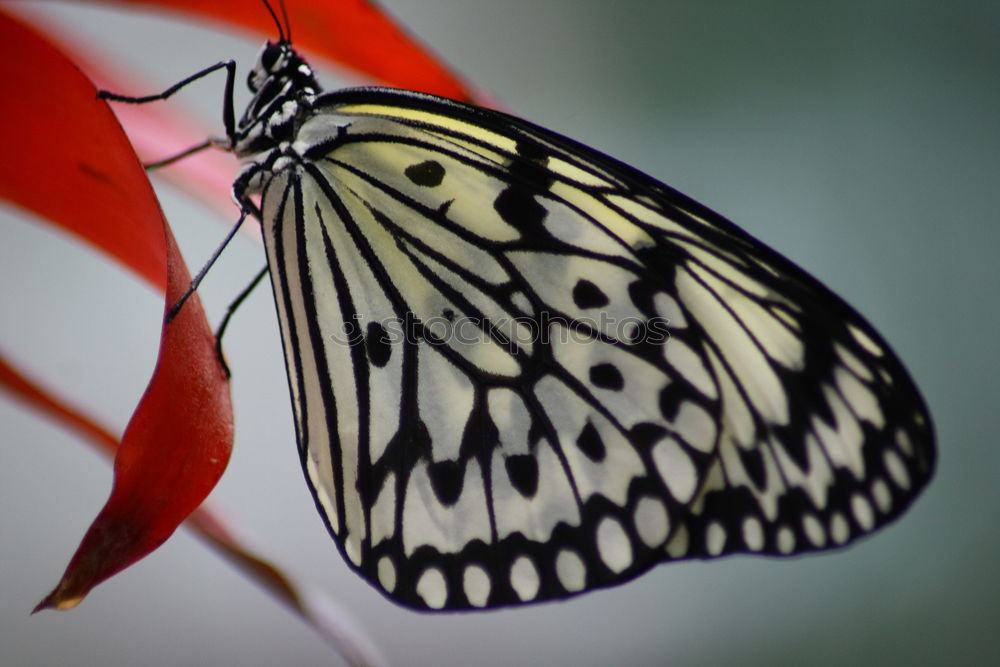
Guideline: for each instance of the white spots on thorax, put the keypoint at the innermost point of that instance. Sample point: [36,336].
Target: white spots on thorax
[613,545]
[571,571]
[432,587]
[524,578]
[476,584]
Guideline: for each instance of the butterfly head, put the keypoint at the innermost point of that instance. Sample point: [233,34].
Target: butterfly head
[282,83]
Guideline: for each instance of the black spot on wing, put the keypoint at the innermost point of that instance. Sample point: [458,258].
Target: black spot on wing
[446,480]
[427,174]
[529,176]
[590,443]
[607,376]
[519,209]
[377,344]
[588,295]
[753,463]
[523,472]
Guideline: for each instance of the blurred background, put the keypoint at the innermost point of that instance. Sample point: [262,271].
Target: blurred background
[861,139]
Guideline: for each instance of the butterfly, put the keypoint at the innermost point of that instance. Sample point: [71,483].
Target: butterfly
[521,369]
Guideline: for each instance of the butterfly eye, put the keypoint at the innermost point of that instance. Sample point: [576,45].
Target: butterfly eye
[270,57]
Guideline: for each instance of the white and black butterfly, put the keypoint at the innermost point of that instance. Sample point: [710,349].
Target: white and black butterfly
[521,370]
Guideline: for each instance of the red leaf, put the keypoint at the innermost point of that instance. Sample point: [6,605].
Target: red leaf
[65,156]
[301,599]
[355,33]
[67,159]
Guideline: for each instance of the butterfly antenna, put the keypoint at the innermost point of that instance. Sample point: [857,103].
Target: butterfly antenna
[281,30]
[288,25]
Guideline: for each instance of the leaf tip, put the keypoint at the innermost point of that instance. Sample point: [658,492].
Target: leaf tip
[59,599]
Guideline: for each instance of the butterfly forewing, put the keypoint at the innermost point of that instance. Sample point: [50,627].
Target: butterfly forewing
[521,369]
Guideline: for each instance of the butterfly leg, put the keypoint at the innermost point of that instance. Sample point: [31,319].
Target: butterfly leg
[230,311]
[201,274]
[228,114]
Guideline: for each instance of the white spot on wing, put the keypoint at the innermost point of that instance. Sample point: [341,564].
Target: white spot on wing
[864,340]
[786,540]
[695,426]
[613,545]
[715,538]
[524,579]
[862,511]
[814,530]
[676,468]
[571,571]
[839,529]
[476,583]
[881,494]
[432,588]
[753,533]
[651,521]
[387,574]
[897,471]
[383,515]
[679,544]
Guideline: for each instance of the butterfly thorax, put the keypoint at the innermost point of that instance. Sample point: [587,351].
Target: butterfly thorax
[284,86]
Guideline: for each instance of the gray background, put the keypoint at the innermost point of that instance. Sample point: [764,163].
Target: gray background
[859,138]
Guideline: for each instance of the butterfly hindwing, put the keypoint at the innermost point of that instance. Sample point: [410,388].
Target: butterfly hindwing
[522,369]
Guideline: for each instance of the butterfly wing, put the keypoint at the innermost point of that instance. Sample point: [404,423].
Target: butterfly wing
[521,369]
